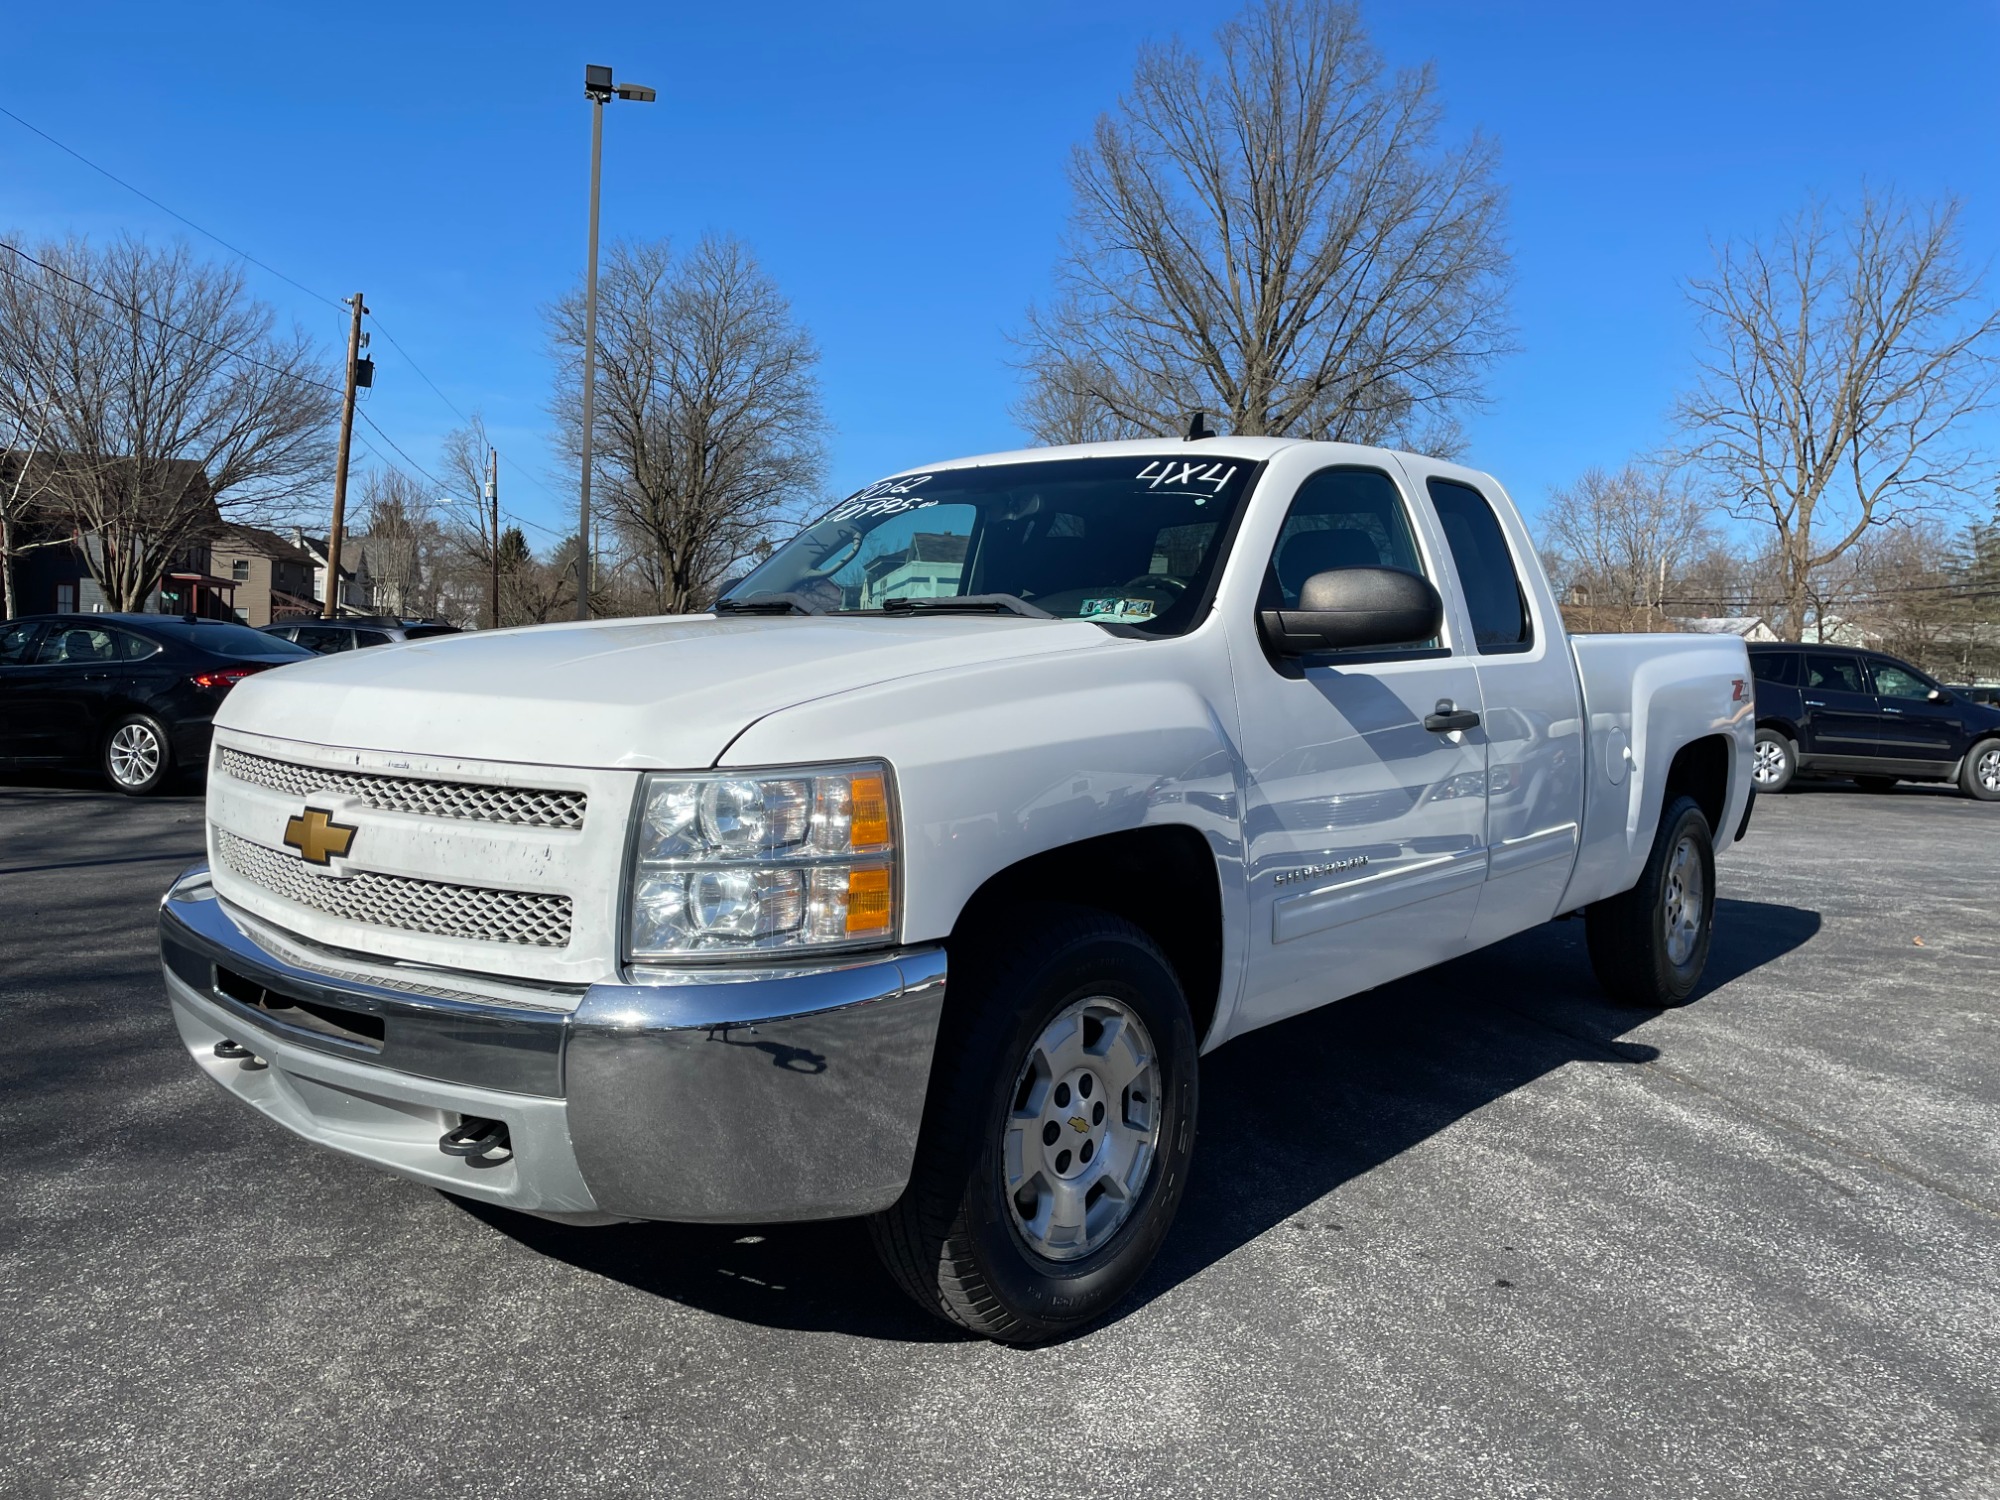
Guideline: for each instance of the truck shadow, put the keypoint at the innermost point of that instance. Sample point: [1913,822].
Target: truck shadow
[1289,1114]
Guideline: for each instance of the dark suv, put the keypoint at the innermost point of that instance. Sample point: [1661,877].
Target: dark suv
[1835,711]
[352,632]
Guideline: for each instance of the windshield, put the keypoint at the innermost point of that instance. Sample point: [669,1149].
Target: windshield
[1132,540]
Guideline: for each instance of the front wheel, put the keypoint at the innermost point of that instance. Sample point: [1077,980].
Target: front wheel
[1649,945]
[1980,775]
[137,757]
[1057,1133]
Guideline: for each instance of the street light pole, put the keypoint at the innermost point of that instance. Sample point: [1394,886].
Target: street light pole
[598,88]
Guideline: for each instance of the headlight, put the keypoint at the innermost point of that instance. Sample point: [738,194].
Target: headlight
[750,862]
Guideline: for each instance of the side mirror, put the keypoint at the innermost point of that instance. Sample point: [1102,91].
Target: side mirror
[1351,609]
[1938,695]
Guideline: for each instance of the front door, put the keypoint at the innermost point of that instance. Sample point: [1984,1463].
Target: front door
[1364,831]
[1913,728]
[1839,707]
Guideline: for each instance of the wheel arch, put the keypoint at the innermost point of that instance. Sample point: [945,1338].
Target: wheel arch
[1163,878]
[1700,769]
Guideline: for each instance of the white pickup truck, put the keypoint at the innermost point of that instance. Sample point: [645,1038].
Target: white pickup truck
[912,882]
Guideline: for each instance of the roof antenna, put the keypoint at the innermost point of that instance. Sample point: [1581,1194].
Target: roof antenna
[1198,428]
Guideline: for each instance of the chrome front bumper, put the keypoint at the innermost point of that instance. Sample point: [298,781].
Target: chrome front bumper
[731,1096]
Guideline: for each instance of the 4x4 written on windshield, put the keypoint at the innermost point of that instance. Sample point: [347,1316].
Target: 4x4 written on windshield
[1128,540]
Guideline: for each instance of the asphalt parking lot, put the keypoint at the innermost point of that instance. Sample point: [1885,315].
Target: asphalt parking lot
[1473,1234]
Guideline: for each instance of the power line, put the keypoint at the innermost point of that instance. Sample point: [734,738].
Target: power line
[262,265]
[134,307]
[209,233]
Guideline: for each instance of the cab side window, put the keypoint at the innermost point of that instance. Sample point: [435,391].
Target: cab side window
[1840,674]
[1341,518]
[1896,682]
[1485,566]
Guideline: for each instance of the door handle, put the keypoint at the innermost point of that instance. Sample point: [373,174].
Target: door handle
[1449,716]
[95,676]
[1815,703]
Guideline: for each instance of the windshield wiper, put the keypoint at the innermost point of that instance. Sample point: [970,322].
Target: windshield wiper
[769,604]
[966,604]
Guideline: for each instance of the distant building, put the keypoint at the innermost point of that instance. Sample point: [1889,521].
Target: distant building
[929,568]
[356,593]
[273,576]
[1749,627]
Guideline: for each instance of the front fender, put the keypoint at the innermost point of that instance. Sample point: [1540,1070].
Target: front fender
[1000,761]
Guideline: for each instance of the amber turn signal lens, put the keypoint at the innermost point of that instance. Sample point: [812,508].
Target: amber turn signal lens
[870,826]
[868,902]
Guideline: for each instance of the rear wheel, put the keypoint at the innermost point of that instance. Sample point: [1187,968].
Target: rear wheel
[1980,775]
[1774,762]
[1649,945]
[137,756]
[1057,1133]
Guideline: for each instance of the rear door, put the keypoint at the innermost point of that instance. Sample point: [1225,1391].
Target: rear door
[1912,727]
[1840,717]
[1531,713]
[77,671]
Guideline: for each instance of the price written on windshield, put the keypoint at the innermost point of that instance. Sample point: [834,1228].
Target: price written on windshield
[1172,476]
[885,497]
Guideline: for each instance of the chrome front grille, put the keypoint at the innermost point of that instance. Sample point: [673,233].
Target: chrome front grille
[472,801]
[527,918]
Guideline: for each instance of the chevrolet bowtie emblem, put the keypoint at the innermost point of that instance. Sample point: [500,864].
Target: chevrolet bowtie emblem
[317,837]
[1079,1124]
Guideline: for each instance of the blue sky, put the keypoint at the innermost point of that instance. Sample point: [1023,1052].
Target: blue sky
[898,169]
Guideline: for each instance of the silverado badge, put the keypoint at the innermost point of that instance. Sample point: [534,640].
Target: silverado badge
[317,837]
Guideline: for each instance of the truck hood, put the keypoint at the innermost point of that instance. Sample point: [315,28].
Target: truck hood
[668,693]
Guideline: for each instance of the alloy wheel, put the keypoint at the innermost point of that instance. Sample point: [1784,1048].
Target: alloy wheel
[135,755]
[1987,769]
[1082,1129]
[1769,764]
[1682,898]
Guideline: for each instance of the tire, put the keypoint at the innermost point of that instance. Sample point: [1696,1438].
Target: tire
[1646,946]
[1979,776]
[1775,761]
[1876,784]
[138,758]
[1018,1039]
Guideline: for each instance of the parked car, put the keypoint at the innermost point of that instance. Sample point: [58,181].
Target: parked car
[350,633]
[1835,711]
[911,882]
[131,695]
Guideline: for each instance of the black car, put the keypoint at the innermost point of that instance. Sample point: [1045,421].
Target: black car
[350,633]
[132,695]
[1834,711]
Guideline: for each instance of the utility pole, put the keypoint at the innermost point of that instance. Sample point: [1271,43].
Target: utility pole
[598,89]
[493,505]
[331,607]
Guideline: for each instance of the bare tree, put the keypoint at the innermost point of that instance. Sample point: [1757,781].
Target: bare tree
[473,535]
[168,400]
[1625,541]
[402,542]
[1843,361]
[709,428]
[1278,238]
[23,500]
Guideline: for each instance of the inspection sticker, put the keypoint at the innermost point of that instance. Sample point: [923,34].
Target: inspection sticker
[1116,609]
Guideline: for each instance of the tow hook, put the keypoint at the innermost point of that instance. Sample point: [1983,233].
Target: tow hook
[236,1051]
[473,1137]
